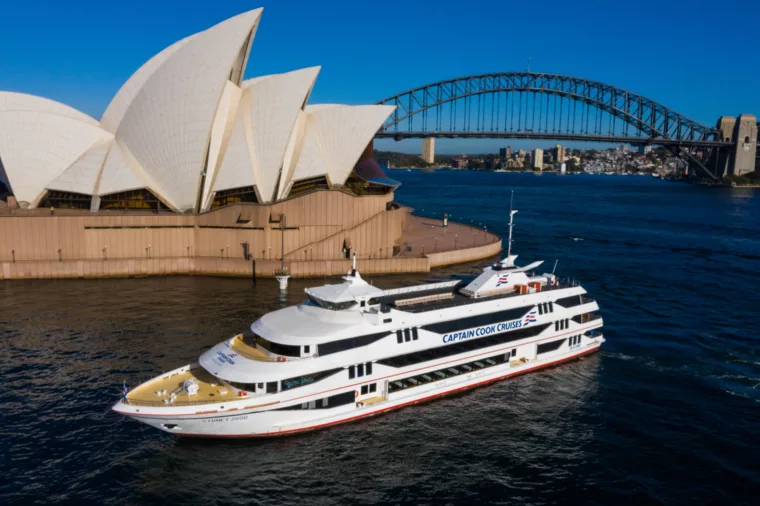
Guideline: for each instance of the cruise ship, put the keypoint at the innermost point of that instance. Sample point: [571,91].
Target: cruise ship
[352,350]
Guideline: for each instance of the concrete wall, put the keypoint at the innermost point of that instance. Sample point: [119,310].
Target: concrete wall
[220,234]
[72,244]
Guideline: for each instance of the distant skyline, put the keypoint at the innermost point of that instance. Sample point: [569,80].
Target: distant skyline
[695,57]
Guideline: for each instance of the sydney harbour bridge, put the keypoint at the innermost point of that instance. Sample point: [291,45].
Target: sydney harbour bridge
[530,105]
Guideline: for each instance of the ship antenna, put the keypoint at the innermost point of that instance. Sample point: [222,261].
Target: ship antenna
[353,267]
[555,265]
[512,213]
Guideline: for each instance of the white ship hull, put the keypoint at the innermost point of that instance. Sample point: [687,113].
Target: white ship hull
[239,422]
[353,350]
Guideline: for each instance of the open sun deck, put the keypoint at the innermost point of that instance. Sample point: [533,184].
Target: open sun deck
[246,347]
[158,392]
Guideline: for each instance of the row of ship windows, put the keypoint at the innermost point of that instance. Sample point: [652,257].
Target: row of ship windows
[463,346]
[545,307]
[406,335]
[421,379]
[359,370]
[332,401]
[575,340]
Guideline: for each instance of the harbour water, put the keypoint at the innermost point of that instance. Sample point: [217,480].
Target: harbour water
[667,413]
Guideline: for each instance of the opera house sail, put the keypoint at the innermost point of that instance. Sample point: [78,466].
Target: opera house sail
[194,169]
[186,133]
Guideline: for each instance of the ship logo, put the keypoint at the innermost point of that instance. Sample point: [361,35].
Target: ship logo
[503,280]
[530,318]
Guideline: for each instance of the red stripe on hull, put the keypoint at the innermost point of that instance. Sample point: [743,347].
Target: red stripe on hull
[398,406]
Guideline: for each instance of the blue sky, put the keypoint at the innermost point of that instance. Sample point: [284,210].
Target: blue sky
[697,57]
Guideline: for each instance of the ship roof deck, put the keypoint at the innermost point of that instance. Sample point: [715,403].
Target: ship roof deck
[210,390]
[458,298]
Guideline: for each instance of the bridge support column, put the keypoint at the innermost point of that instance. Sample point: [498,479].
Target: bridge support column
[745,137]
[428,149]
[726,126]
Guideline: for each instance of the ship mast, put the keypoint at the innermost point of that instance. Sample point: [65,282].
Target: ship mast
[512,213]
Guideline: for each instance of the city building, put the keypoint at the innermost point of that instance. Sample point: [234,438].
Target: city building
[460,162]
[191,165]
[538,159]
[645,150]
[505,153]
[559,153]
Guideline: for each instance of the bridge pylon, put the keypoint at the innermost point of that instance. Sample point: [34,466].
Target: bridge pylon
[428,149]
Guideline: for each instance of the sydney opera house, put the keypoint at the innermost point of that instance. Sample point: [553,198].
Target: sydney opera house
[191,161]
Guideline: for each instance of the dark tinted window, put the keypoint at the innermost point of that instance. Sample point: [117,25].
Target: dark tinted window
[348,344]
[369,368]
[414,333]
[573,300]
[476,321]
[399,337]
[326,402]
[287,350]
[307,379]
[351,372]
[550,346]
[462,347]
[271,387]
[360,370]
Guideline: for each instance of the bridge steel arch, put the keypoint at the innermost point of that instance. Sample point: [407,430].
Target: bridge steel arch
[479,106]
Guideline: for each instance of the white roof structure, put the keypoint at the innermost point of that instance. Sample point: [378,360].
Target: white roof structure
[184,127]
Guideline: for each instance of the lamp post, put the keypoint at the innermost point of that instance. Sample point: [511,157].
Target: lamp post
[282,274]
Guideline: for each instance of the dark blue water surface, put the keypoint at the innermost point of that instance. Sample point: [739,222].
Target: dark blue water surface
[667,413]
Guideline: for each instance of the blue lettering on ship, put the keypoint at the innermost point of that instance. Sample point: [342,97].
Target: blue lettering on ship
[482,331]
[221,358]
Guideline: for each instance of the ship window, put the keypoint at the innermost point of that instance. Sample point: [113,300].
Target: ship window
[387,320]
[245,387]
[307,379]
[271,387]
[261,386]
[572,301]
[365,389]
[551,307]
[407,336]
[306,348]
[332,306]
[350,343]
[369,368]
[476,321]
[360,370]
[286,350]
[399,337]
[351,372]
[414,334]
[363,303]
[462,347]
[540,309]
[331,401]
[550,346]
[514,352]
[373,387]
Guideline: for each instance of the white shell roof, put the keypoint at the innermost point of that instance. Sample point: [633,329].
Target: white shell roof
[183,114]
[267,115]
[82,175]
[336,136]
[11,101]
[167,125]
[36,147]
